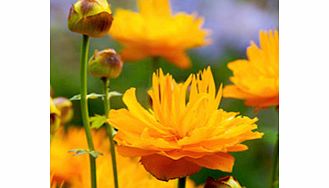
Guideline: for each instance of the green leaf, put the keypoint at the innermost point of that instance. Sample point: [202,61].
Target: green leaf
[97,121]
[96,96]
[75,98]
[95,154]
[114,94]
[78,151]
[89,96]
[114,132]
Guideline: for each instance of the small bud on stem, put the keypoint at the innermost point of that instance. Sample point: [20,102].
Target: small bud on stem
[224,182]
[105,64]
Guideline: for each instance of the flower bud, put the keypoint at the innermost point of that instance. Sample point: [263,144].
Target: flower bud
[64,105]
[90,17]
[54,117]
[224,182]
[105,64]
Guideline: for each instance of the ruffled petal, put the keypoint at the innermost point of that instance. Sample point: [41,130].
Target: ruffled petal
[164,168]
[180,59]
[133,152]
[133,54]
[138,111]
[263,102]
[152,8]
[218,161]
[233,91]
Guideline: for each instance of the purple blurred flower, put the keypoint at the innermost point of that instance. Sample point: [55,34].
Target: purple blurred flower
[233,23]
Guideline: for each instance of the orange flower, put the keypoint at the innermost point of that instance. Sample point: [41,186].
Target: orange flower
[64,167]
[256,80]
[176,138]
[73,171]
[156,32]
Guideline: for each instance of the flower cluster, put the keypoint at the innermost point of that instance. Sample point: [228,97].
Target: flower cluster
[72,171]
[182,130]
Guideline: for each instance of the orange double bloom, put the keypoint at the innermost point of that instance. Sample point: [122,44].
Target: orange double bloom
[184,130]
[256,79]
[155,32]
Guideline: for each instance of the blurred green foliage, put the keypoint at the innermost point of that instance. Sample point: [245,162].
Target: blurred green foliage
[252,168]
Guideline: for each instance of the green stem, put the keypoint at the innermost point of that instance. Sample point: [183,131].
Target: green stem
[155,64]
[275,172]
[109,131]
[84,106]
[181,182]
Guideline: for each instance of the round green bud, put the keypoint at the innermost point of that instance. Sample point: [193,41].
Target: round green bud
[105,64]
[90,17]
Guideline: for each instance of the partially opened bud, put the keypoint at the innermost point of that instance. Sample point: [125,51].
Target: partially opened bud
[54,117]
[90,17]
[224,182]
[64,105]
[105,64]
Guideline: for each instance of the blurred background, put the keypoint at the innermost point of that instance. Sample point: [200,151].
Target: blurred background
[233,24]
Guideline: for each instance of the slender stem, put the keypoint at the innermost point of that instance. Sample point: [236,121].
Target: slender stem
[275,162]
[155,63]
[109,131]
[181,182]
[84,106]
[275,168]
[155,66]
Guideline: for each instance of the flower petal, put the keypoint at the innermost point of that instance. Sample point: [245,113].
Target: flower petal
[180,59]
[153,8]
[234,92]
[133,54]
[218,161]
[263,102]
[137,110]
[132,152]
[164,168]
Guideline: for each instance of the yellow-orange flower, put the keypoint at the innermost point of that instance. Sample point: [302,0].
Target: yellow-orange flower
[156,32]
[66,168]
[73,171]
[178,136]
[256,80]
